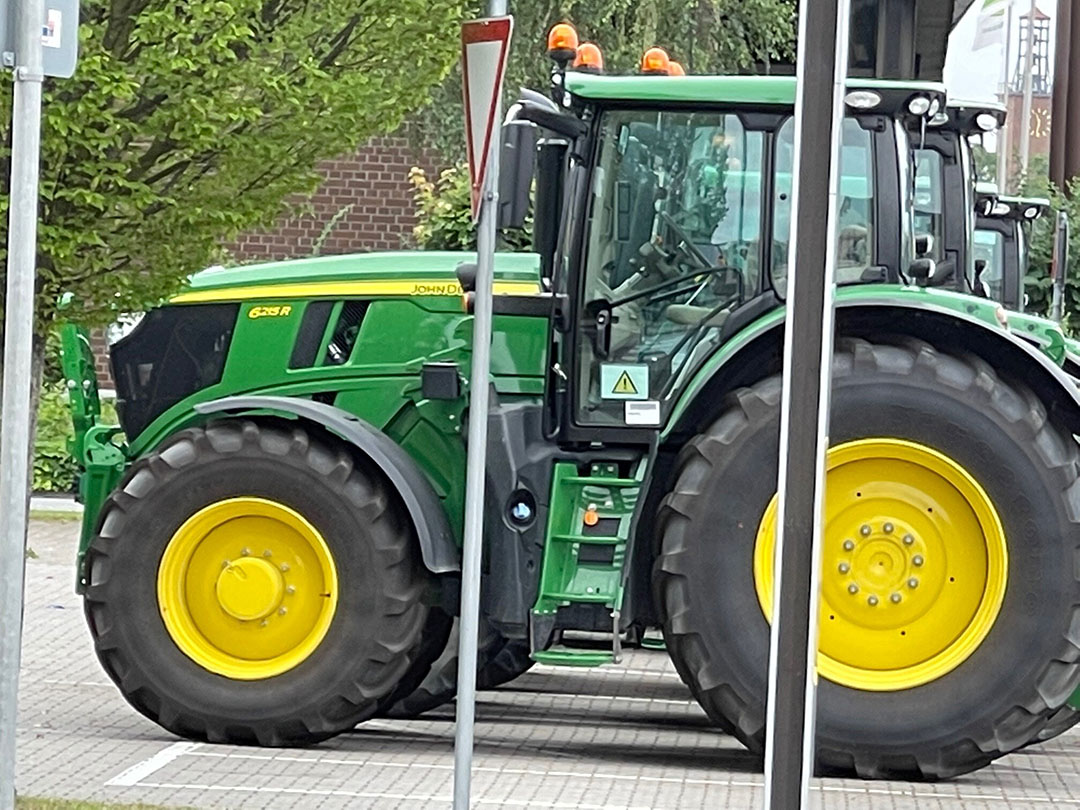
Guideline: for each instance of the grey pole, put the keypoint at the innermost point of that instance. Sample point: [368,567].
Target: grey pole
[476,462]
[804,415]
[1025,116]
[1003,132]
[18,352]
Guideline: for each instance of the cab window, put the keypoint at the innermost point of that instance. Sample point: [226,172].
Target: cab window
[989,246]
[673,247]
[929,211]
[855,236]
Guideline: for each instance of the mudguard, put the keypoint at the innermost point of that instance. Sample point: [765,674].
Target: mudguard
[440,552]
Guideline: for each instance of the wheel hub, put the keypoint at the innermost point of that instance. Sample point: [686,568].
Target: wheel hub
[250,589]
[914,565]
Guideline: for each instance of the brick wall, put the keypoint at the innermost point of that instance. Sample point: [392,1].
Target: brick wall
[370,190]
[369,194]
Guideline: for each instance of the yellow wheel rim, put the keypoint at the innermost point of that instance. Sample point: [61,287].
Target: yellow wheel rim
[914,560]
[247,588]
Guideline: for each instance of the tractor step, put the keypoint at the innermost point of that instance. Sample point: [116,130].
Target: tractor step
[590,523]
[569,657]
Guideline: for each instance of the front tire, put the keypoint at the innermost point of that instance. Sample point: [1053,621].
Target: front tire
[251,584]
[980,673]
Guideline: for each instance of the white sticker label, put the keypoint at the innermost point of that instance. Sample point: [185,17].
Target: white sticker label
[624,381]
[50,32]
[643,413]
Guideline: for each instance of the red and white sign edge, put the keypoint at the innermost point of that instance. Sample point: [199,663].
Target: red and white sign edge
[484,47]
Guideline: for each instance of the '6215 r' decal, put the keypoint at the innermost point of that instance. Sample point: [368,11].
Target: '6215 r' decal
[277,311]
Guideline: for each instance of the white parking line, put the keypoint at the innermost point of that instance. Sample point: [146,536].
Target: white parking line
[136,773]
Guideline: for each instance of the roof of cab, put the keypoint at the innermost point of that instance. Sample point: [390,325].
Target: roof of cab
[765,90]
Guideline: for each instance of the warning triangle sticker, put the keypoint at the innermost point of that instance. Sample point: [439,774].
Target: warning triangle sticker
[624,385]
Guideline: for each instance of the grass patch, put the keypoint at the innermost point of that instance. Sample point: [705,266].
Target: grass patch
[57,516]
[30,803]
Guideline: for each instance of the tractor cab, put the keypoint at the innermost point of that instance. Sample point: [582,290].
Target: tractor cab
[1001,242]
[677,223]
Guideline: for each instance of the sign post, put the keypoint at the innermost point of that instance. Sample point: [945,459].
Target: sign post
[484,44]
[37,39]
[804,417]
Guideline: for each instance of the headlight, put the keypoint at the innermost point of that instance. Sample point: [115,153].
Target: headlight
[919,105]
[862,99]
[987,122]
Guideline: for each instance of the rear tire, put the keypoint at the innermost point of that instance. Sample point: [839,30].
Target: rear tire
[987,704]
[370,641]
[498,661]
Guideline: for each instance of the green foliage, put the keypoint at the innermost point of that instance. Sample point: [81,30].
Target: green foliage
[54,466]
[188,123]
[444,213]
[1037,283]
[706,36]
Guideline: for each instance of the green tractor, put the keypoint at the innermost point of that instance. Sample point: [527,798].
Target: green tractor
[271,556]
[955,219]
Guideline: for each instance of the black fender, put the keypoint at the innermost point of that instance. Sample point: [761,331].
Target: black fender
[440,552]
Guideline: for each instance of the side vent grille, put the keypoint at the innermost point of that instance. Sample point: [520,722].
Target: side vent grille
[309,336]
[346,331]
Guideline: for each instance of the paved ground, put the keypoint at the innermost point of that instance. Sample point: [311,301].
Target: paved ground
[608,739]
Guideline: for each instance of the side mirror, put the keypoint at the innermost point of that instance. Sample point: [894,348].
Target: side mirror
[517,162]
[924,245]
[547,210]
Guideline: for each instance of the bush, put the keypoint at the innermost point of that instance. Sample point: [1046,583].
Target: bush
[444,213]
[55,469]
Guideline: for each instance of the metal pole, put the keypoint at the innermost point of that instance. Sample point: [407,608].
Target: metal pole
[1003,133]
[1025,116]
[18,353]
[804,416]
[476,463]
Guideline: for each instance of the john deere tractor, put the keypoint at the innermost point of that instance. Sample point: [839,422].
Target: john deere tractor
[271,556]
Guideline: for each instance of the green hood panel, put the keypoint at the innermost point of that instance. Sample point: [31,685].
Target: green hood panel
[413,272]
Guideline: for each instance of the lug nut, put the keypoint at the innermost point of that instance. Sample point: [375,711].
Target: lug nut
[917,559]
[283,611]
[887,528]
[843,568]
[871,600]
[864,530]
[853,588]
[849,545]
[245,552]
[913,583]
[264,623]
[895,598]
[908,539]
[284,567]
[290,589]
[224,564]
[267,553]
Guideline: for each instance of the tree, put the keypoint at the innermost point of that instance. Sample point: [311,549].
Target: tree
[1037,283]
[188,122]
[706,36]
